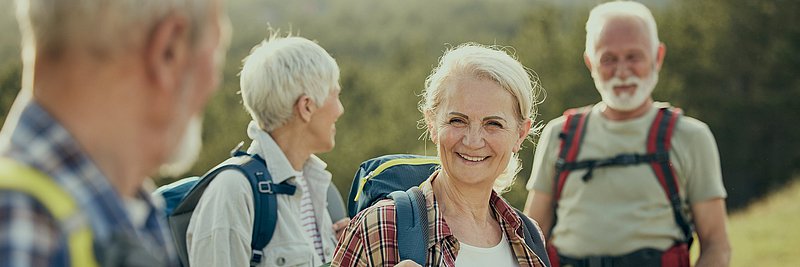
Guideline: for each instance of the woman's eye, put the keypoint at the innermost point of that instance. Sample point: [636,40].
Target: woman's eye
[495,124]
[457,121]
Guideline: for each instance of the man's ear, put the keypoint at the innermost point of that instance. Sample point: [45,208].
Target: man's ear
[662,52]
[587,61]
[167,51]
[305,108]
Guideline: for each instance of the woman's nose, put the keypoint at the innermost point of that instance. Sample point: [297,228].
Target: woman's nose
[473,138]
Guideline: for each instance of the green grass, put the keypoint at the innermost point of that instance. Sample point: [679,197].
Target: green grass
[768,232]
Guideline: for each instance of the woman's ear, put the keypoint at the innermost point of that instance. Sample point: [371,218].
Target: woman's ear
[523,132]
[305,108]
[433,131]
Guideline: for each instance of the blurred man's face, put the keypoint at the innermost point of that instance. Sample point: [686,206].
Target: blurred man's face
[623,66]
[201,81]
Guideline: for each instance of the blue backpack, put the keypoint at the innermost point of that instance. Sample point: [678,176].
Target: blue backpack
[397,177]
[182,196]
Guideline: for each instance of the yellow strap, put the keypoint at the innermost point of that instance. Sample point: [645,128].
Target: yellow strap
[391,163]
[17,177]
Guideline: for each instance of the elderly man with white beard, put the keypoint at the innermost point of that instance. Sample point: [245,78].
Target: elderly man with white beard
[112,90]
[627,181]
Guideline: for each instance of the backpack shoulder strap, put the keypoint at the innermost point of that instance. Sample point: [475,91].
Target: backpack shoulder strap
[533,237]
[18,177]
[265,201]
[659,143]
[571,137]
[412,221]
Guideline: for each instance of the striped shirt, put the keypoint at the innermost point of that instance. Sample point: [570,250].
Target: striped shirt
[29,235]
[371,237]
[307,215]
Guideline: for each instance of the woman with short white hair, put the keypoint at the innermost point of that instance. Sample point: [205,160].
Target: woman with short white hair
[290,87]
[478,106]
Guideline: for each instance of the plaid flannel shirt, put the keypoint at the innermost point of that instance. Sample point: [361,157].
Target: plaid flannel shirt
[29,236]
[371,237]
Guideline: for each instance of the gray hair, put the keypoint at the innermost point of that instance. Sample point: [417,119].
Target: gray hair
[101,26]
[278,71]
[603,12]
[488,62]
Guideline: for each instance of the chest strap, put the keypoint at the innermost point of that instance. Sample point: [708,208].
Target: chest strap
[658,147]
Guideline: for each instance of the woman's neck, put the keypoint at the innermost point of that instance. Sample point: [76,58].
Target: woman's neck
[293,146]
[461,200]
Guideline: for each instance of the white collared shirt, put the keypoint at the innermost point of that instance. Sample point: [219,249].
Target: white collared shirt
[220,229]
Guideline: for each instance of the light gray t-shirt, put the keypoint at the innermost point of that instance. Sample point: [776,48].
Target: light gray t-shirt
[622,209]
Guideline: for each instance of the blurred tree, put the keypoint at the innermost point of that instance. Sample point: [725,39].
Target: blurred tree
[733,65]
[10,85]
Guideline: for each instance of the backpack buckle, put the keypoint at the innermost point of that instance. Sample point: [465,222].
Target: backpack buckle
[265,187]
[237,151]
[627,159]
[561,164]
[662,156]
[256,259]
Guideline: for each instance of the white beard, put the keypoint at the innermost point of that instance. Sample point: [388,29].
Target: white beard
[186,153]
[625,101]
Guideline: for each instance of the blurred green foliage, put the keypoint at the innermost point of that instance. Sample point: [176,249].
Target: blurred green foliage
[732,65]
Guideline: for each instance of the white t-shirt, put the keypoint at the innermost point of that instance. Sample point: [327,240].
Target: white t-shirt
[499,255]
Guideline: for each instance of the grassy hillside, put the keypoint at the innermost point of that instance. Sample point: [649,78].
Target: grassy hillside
[766,233]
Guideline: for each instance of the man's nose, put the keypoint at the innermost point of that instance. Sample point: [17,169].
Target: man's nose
[622,70]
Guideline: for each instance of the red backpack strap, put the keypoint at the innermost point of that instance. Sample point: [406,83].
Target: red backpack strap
[659,143]
[571,137]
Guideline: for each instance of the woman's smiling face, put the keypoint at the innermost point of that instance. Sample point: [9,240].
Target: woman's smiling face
[476,129]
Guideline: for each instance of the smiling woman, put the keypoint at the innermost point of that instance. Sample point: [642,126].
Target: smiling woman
[479,72]
[478,106]
[476,130]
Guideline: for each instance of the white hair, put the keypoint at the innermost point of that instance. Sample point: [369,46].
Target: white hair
[278,71]
[101,26]
[487,62]
[600,15]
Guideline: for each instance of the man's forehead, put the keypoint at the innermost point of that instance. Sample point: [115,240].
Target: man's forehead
[624,29]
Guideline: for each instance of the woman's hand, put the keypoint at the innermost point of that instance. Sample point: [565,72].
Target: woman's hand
[339,226]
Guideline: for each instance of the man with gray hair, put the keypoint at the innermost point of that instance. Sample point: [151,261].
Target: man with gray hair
[627,182]
[290,87]
[112,92]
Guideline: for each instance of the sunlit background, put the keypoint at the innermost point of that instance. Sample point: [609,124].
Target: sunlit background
[731,64]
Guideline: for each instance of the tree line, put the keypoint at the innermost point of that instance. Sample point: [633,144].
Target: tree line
[731,65]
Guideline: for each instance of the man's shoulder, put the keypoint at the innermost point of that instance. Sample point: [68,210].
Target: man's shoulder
[554,125]
[559,121]
[26,224]
[690,125]
[20,205]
